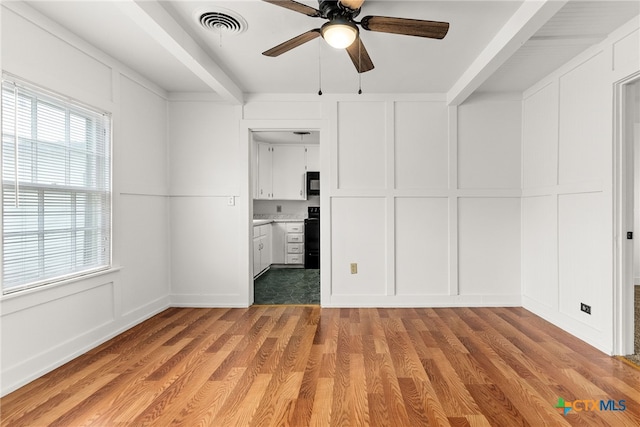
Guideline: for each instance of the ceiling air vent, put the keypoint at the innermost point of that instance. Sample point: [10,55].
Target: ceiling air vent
[222,21]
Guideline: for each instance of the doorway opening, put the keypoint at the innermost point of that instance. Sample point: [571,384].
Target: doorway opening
[285,168]
[627,204]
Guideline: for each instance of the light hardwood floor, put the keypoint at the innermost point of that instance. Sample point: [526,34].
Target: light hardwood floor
[302,365]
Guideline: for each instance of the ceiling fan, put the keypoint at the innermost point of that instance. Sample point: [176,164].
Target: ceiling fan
[342,29]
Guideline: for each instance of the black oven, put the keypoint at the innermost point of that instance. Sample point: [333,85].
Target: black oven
[313,184]
[312,238]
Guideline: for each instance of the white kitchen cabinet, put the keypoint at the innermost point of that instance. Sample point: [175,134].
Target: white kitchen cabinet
[265,256]
[288,242]
[265,168]
[288,168]
[279,243]
[295,248]
[295,242]
[295,258]
[295,238]
[295,227]
[261,248]
[313,158]
[281,170]
[256,256]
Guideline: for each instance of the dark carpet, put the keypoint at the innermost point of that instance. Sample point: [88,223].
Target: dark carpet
[637,321]
[635,358]
[288,286]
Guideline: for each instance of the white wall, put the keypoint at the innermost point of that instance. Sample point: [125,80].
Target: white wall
[205,231]
[390,200]
[567,209]
[208,163]
[425,199]
[43,328]
[632,111]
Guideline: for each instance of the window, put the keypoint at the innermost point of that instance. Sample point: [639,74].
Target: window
[56,188]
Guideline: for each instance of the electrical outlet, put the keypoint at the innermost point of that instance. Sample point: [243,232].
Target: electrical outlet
[278,208]
[586,308]
[354,268]
[231,201]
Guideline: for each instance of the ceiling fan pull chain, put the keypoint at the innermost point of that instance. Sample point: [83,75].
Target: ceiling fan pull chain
[359,67]
[319,68]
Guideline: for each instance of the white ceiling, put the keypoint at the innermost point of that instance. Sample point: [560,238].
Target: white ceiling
[578,25]
[164,42]
[403,64]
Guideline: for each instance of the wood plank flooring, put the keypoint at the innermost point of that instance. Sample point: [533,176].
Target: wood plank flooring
[303,365]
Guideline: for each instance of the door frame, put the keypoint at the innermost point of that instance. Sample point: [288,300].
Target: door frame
[247,127]
[623,177]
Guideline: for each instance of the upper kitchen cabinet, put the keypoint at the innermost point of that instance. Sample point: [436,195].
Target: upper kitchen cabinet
[313,158]
[265,166]
[281,170]
[288,170]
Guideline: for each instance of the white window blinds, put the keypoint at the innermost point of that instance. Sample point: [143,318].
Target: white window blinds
[56,188]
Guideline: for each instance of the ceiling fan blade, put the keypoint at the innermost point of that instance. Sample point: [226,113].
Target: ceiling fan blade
[352,4]
[296,7]
[291,43]
[409,27]
[359,56]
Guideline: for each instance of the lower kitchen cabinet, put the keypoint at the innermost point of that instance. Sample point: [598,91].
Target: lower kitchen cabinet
[279,243]
[295,242]
[287,243]
[261,248]
[295,258]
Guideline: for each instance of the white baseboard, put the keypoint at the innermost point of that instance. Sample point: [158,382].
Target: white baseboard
[209,301]
[40,364]
[431,301]
[596,338]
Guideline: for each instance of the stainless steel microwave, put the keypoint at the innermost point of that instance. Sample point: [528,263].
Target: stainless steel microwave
[313,184]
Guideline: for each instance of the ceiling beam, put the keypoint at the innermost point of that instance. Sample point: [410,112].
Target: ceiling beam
[163,28]
[566,40]
[524,23]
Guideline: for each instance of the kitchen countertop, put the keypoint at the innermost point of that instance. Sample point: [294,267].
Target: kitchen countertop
[262,221]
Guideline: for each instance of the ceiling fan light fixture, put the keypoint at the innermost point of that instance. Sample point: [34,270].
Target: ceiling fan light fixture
[339,34]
